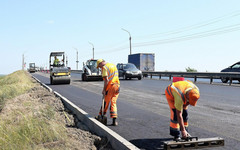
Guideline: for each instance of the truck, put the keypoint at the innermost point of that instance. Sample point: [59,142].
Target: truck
[143,61]
[32,67]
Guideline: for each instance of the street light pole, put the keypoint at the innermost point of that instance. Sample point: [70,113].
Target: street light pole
[93,48]
[66,60]
[77,58]
[22,61]
[130,38]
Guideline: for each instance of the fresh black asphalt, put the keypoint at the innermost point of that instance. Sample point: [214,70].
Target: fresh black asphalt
[143,127]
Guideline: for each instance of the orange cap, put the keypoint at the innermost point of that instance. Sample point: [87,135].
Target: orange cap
[194,95]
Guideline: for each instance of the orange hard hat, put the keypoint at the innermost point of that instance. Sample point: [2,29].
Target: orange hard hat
[193,95]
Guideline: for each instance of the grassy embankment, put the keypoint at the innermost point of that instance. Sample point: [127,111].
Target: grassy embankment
[13,85]
[22,126]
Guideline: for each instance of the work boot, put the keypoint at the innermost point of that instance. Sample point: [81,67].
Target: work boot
[114,123]
[98,117]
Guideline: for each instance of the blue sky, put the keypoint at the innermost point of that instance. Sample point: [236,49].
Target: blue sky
[201,34]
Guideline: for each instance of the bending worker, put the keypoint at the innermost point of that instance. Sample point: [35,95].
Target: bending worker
[179,95]
[111,88]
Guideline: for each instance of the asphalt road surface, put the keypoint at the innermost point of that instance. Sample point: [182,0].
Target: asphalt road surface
[144,114]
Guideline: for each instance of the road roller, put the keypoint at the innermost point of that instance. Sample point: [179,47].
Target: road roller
[59,72]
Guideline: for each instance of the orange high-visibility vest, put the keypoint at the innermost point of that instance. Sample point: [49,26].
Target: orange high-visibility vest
[112,73]
[181,87]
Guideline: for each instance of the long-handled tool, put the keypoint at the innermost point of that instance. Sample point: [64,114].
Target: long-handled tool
[193,143]
[102,118]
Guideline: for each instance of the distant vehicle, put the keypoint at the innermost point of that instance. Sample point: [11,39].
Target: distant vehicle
[143,61]
[32,67]
[37,69]
[59,73]
[90,71]
[233,68]
[128,71]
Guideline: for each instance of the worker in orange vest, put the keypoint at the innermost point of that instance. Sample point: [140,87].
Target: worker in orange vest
[111,88]
[179,95]
[56,61]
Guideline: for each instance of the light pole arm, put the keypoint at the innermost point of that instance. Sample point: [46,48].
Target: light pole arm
[130,38]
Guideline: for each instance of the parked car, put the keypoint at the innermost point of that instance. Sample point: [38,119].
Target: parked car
[128,71]
[234,68]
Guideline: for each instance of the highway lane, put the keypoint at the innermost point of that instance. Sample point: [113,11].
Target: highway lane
[144,113]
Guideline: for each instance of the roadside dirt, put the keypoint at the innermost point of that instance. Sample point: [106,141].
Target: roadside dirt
[78,135]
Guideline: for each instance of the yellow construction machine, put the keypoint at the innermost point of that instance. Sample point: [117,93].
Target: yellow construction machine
[59,72]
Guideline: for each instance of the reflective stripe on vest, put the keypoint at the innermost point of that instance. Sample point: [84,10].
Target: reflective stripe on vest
[193,86]
[180,92]
[169,91]
[112,75]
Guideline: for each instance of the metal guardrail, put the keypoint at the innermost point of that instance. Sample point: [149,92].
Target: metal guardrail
[195,75]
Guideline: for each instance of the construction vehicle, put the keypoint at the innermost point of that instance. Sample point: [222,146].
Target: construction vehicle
[59,72]
[32,67]
[90,71]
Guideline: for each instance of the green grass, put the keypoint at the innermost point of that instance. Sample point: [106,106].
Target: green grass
[29,132]
[13,85]
[29,125]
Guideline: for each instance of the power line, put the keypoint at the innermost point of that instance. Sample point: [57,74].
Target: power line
[203,34]
[192,27]
[218,31]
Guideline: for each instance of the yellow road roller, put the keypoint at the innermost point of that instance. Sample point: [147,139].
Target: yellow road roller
[59,72]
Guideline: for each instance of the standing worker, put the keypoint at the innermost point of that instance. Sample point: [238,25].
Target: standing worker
[111,88]
[179,95]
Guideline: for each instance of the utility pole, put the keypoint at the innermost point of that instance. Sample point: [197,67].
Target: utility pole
[76,59]
[22,61]
[93,48]
[66,60]
[130,38]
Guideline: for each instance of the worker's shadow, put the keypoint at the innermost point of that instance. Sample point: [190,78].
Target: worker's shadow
[150,144]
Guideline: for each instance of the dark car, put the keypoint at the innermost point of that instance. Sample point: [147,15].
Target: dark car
[234,68]
[128,71]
